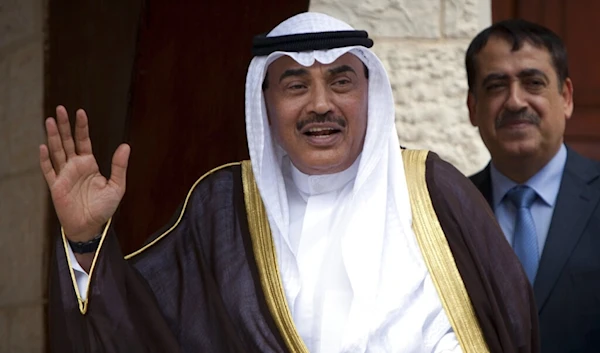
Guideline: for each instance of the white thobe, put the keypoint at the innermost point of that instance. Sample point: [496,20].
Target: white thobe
[316,281]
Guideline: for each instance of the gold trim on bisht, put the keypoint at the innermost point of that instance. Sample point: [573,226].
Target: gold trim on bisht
[438,256]
[187,198]
[266,262]
[83,303]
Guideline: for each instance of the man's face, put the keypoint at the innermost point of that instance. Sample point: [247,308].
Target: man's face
[318,114]
[517,102]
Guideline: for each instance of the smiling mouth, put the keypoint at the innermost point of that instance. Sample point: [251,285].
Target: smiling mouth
[321,132]
[516,124]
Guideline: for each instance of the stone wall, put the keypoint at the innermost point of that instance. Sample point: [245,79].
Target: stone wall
[22,189]
[422,44]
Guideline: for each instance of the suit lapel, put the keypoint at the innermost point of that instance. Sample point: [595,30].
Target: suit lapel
[574,206]
[483,182]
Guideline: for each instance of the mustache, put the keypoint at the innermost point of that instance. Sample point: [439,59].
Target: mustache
[519,116]
[321,118]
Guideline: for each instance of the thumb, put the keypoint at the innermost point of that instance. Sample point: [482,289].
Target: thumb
[120,160]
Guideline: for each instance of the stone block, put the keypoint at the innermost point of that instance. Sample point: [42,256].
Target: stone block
[26,330]
[4,84]
[430,90]
[22,238]
[18,20]
[4,331]
[465,18]
[386,18]
[460,18]
[4,61]
[23,126]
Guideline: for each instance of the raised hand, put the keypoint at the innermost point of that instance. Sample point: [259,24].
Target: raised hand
[83,198]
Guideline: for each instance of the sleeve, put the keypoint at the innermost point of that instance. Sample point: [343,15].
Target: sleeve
[169,295]
[116,312]
[81,277]
[497,285]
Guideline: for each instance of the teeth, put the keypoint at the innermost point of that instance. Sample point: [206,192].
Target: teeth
[319,129]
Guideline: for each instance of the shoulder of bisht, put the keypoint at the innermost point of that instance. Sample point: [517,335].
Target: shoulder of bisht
[438,256]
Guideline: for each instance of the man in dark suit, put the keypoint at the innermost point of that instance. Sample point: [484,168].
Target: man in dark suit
[545,196]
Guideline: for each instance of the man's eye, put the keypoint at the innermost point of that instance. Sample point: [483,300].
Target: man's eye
[341,82]
[296,86]
[536,83]
[494,86]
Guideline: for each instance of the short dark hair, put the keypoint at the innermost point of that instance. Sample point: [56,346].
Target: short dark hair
[265,83]
[516,32]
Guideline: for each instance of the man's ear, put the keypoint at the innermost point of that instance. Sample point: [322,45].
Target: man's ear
[471,105]
[567,94]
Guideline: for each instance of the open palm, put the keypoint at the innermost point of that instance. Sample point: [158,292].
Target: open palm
[83,198]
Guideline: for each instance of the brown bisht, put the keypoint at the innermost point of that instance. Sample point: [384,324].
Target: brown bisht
[209,282]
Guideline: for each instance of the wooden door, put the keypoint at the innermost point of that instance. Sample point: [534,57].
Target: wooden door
[574,22]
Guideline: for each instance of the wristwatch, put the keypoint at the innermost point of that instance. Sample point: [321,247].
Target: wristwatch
[86,247]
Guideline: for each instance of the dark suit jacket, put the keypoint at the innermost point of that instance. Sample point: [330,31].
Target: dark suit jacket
[567,285]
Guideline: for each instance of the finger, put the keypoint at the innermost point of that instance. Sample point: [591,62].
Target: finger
[46,165]
[120,161]
[55,147]
[82,134]
[64,129]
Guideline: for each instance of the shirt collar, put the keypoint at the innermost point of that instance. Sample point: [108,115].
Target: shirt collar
[546,182]
[320,184]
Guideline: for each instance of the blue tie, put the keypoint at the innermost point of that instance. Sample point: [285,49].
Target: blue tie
[525,242]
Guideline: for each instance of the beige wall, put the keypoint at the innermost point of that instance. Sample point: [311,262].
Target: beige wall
[22,189]
[422,44]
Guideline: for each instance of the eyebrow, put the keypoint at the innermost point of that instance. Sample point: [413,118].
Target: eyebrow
[494,77]
[532,73]
[293,72]
[303,72]
[521,74]
[341,69]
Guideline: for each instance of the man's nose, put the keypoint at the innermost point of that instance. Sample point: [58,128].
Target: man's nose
[516,97]
[320,100]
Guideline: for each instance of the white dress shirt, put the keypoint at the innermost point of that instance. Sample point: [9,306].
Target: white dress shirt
[546,184]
